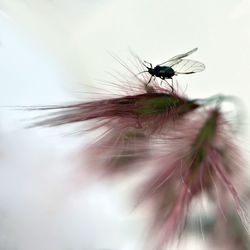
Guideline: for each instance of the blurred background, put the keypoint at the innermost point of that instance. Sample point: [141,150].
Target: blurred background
[52,51]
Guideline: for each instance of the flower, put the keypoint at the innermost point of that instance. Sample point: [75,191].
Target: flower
[186,145]
[128,122]
[194,159]
[149,111]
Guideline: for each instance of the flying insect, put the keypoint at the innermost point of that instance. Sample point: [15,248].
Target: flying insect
[174,66]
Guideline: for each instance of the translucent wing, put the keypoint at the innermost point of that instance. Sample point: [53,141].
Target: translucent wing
[185,66]
[178,57]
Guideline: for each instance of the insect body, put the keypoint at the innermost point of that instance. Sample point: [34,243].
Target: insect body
[174,66]
[164,72]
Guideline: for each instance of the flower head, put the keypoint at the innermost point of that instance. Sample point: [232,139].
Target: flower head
[194,161]
[128,122]
[188,147]
[149,111]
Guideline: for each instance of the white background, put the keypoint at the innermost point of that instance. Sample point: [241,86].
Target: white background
[50,51]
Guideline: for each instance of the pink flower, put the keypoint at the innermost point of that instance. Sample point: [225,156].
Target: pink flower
[227,232]
[149,111]
[187,149]
[194,158]
[128,121]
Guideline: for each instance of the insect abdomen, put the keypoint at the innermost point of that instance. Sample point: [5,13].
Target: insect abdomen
[164,72]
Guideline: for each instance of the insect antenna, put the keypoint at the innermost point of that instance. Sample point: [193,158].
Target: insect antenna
[144,71]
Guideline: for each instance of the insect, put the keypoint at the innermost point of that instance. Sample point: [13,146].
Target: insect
[174,66]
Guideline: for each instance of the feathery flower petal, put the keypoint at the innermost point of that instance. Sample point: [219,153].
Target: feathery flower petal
[149,111]
[184,172]
[128,122]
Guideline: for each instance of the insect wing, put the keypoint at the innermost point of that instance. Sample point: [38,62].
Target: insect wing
[186,66]
[178,57]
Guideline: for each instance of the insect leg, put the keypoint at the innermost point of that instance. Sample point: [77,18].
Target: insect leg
[171,85]
[149,80]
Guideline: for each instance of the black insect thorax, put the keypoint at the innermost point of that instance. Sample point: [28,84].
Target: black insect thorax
[163,72]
